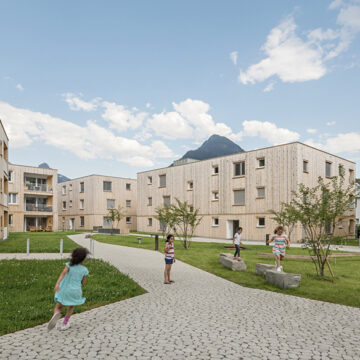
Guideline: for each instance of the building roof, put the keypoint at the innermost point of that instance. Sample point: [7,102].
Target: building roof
[82,177]
[2,125]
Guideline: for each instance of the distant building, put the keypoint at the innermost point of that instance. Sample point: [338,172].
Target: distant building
[84,202]
[239,189]
[358,204]
[4,174]
[32,198]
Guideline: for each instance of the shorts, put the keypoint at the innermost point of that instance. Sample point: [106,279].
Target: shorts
[169,261]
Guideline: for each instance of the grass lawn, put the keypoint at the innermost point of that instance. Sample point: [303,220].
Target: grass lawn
[27,296]
[40,242]
[343,289]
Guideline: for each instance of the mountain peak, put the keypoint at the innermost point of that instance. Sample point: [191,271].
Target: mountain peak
[61,178]
[44,165]
[214,146]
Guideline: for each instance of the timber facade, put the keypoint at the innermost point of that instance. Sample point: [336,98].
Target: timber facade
[4,177]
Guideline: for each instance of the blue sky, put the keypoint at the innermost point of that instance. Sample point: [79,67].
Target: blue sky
[118,87]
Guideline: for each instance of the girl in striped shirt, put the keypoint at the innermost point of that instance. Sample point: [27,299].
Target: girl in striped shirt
[169,258]
[281,242]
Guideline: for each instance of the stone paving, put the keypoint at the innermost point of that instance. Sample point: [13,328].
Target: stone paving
[201,316]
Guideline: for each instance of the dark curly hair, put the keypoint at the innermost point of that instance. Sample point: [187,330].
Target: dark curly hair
[168,238]
[78,256]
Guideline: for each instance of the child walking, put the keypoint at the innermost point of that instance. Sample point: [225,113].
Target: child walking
[237,242]
[68,288]
[169,258]
[281,242]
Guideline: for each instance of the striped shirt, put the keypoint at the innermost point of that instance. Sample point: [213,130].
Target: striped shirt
[170,251]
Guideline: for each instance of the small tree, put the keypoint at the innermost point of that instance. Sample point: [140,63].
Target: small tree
[116,215]
[185,221]
[286,217]
[318,209]
[166,217]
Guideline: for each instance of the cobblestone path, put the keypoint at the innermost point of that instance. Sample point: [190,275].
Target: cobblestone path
[201,316]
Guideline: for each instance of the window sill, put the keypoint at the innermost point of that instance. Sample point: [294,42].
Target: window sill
[162,187]
[260,167]
[306,172]
[260,226]
[107,190]
[190,189]
[214,199]
[259,197]
[214,174]
[238,176]
[214,225]
[238,205]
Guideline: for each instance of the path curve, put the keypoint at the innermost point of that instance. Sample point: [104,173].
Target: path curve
[201,316]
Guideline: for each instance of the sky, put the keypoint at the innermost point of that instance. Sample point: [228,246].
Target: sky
[118,87]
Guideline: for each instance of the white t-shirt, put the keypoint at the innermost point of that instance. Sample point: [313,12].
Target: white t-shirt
[237,237]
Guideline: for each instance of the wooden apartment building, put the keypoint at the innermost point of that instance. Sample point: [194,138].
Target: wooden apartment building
[238,190]
[4,174]
[84,202]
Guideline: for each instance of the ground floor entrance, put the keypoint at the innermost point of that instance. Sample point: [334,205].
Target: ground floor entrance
[36,223]
[231,228]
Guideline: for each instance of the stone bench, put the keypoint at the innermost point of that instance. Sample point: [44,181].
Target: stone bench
[228,261]
[261,269]
[283,280]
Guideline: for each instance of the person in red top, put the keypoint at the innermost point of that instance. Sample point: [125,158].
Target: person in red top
[169,258]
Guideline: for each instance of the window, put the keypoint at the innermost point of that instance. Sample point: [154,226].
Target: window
[215,195]
[64,205]
[328,228]
[70,187]
[190,185]
[70,203]
[162,180]
[10,176]
[128,220]
[215,221]
[215,169]
[352,203]
[239,197]
[107,185]
[107,221]
[328,169]
[305,166]
[64,189]
[261,162]
[11,220]
[261,222]
[191,209]
[261,192]
[82,221]
[149,221]
[239,168]
[149,180]
[166,200]
[128,203]
[150,201]
[82,201]
[351,176]
[82,187]
[110,204]
[128,186]
[12,198]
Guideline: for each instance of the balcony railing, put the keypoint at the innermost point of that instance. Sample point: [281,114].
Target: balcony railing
[42,188]
[39,207]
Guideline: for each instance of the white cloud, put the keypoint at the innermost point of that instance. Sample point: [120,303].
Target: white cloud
[76,103]
[19,87]
[311,131]
[148,105]
[121,118]
[341,143]
[331,123]
[296,59]
[92,141]
[268,131]
[269,87]
[234,57]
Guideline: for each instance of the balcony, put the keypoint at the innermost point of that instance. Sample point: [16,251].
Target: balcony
[38,188]
[5,201]
[38,207]
[5,166]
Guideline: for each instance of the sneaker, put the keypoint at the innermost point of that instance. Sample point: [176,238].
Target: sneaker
[281,268]
[53,321]
[239,259]
[65,326]
[278,268]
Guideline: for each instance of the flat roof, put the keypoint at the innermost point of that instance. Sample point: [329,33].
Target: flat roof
[264,148]
[30,166]
[85,176]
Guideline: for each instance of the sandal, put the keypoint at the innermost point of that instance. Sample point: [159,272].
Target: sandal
[167,283]
[172,281]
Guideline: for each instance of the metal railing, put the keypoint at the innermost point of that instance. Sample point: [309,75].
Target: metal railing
[41,187]
[39,207]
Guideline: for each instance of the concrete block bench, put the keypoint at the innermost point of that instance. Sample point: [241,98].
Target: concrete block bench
[261,269]
[228,261]
[283,280]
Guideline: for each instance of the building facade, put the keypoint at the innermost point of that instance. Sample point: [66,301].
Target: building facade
[32,199]
[240,189]
[4,177]
[84,202]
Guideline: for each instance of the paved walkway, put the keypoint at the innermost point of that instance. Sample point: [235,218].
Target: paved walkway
[33,256]
[201,316]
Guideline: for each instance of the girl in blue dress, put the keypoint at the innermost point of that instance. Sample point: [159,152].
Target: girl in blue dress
[68,291]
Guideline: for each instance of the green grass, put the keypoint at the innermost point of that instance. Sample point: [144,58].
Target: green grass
[27,296]
[344,288]
[41,242]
